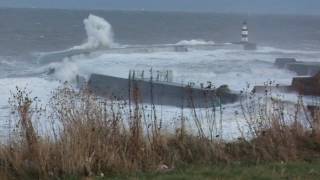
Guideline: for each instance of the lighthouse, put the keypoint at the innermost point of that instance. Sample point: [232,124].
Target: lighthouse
[244,33]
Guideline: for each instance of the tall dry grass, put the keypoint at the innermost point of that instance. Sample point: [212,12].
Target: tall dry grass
[278,130]
[89,136]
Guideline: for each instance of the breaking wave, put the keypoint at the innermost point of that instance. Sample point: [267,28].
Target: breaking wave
[195,42]
[99,33]
[65,71]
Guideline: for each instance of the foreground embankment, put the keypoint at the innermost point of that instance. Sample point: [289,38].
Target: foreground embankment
[296,170]
[89,138]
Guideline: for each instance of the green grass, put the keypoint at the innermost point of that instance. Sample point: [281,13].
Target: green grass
[304,171]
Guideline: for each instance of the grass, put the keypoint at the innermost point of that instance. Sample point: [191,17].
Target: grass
[271,171]
[89,137]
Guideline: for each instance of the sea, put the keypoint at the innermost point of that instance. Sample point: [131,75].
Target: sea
[26,35]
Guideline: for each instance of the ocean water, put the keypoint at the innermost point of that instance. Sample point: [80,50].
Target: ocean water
[25,34]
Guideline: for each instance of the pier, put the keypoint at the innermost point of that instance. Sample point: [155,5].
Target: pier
[299,67]
[159,93]
[306,83]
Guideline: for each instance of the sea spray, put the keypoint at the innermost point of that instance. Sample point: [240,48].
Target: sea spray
[65,71]
[99,33]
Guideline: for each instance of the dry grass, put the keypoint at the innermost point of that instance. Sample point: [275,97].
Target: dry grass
[89,137]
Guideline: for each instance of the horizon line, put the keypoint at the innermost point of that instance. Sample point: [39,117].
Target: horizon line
[160,11]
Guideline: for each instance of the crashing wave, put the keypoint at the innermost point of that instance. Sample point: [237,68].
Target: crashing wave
[99,33]
[195,42]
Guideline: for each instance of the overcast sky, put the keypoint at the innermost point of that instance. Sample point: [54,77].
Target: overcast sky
[245,6]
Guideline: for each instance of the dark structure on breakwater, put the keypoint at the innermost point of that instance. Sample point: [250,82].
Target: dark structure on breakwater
[299,67]
[308,84]
[158,93]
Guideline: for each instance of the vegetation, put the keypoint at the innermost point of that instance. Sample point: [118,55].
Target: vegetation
[235,171]
[91,137]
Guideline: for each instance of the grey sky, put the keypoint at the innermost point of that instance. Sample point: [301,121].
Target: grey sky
[245,6]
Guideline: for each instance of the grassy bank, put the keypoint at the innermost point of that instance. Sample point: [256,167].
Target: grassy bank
[297,170]
[88,136]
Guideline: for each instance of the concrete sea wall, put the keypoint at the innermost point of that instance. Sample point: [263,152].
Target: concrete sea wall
[158,93]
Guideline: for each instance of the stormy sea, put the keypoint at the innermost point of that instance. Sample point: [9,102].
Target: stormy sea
[28,36]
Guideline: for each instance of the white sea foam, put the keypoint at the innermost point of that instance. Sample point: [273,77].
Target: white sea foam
[66,71]
[195,42]
[6,62]
[234,67]
[38,87]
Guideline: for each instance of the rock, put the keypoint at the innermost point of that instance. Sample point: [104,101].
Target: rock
[162,168]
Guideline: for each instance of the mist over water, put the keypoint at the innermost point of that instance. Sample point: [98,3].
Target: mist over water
[37,32]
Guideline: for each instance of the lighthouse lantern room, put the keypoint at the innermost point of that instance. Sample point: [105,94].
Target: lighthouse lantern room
[244,33]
